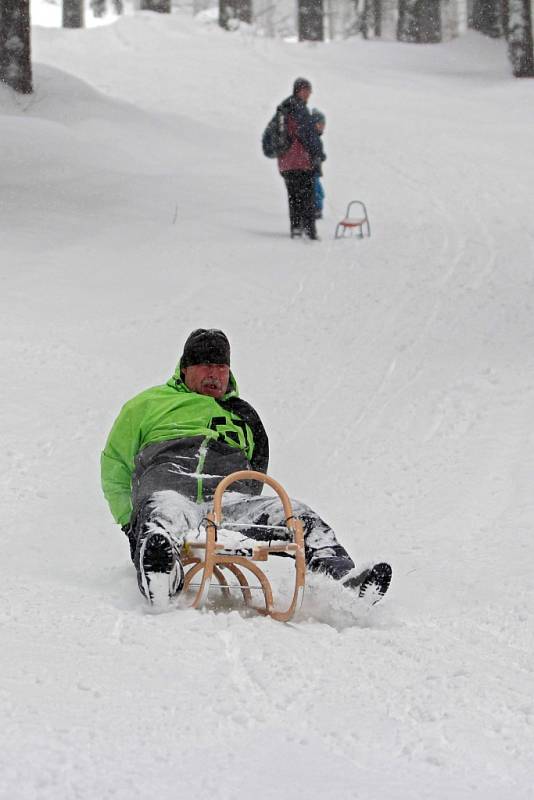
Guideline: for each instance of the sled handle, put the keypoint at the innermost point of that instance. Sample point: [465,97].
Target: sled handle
[250,475]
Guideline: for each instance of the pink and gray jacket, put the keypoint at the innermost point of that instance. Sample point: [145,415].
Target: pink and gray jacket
[306,151]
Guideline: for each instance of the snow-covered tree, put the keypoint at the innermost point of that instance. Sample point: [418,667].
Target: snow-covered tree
[487,17]
[162,6]
[234,11]
[419,21]
[15,52]
[519,20]
[73,13]
[310,20]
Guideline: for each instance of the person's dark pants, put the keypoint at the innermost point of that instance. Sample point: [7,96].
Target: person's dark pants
[177,514]
[301,196]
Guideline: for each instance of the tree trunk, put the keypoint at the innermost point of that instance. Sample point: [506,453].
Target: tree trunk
[504,12]
[407,26]
[161,6]
[520,38]
[15,49]
[98,7]
[371,24]
[419,21]
[430,16]
[73,13]
[234,11]
[487,17]
[311,20]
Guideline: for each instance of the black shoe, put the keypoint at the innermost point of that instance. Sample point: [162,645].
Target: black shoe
[372,584]
[160,575]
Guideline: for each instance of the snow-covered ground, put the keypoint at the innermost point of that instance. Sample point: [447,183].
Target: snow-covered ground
[395,376]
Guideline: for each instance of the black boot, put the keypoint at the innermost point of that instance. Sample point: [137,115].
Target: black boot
[160,574]
[372,584]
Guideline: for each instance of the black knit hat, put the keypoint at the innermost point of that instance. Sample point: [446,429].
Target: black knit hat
[205,347]
[301,83]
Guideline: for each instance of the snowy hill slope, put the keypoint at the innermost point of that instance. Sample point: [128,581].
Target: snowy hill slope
[394,376]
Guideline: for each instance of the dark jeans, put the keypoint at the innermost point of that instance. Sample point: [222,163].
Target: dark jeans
[300,186]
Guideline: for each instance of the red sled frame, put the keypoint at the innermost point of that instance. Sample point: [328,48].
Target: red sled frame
[355,223]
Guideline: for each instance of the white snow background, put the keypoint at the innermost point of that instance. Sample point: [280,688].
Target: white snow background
[394,375]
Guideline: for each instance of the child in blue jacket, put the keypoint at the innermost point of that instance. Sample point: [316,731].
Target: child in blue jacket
[319,120]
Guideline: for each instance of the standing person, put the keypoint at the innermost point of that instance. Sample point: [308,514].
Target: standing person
[319,121]
[297,165]
[169,448]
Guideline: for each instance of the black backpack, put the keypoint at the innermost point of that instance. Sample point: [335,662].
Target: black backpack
[276,140]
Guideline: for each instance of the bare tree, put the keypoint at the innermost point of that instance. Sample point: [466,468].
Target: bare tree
[520,37]
[407,27]
[419,21]
[371,20]
[15,49]
[98,8]
[311,20]
[73,13]
[232,11]
[487,17]
[161,6]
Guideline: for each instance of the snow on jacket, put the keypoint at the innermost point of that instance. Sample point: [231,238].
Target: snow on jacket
[212,438]
[306,150]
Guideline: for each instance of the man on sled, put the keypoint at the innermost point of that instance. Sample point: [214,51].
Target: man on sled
[169,448]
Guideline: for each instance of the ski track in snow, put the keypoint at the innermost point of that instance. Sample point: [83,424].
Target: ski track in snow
[394,376]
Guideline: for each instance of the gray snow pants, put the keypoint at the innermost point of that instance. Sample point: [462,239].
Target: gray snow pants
[178,514]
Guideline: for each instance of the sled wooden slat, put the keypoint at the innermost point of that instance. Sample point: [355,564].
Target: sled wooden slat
[213,562]
[259,552]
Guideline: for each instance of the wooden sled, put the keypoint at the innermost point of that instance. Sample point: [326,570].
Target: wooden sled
[210,563]
[355,222]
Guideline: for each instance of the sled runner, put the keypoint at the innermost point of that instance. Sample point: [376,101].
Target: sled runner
[210,559]
[355,222]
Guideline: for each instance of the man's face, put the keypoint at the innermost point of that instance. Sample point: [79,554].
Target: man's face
[209,379]
[304,94]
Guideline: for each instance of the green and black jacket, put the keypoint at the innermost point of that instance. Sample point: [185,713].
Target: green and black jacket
[195,439]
